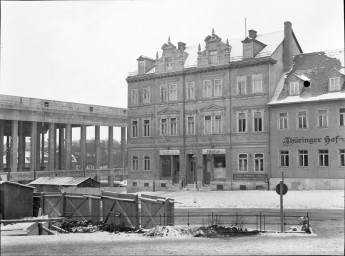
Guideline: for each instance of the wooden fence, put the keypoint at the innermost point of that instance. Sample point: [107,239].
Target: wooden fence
[127,210]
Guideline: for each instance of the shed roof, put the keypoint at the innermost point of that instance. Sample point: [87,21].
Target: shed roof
[60,181]
[16,184]
[314,67]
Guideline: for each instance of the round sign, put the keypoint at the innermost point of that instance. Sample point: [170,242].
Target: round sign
[285,189]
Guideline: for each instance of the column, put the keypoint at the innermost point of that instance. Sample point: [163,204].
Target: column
[42,148]
[21,148]
[8,152]
[51,147]
[2,131]
[97,146]
[110,146]
[33,148]
[14,146]
[123,147]
[61,147]
[83,147]
[68,147]
[38,143]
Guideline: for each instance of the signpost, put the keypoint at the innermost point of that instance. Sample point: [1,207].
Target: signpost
[281,190]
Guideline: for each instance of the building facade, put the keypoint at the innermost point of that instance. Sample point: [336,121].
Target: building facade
[308,123]
[199,114]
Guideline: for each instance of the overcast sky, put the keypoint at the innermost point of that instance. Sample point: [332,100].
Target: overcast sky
[82,51]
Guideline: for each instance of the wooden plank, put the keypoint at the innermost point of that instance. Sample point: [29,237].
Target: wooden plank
[53,206]
[76,208]
[30,220]
[149,215]
[124,213]
[121,199]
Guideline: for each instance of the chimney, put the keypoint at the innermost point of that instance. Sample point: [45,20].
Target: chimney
[252,33]
[181,46]
[287,46]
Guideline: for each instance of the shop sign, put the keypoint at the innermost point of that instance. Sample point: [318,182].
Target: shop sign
[250,176]
[288,141]
[169,152]
[213,151]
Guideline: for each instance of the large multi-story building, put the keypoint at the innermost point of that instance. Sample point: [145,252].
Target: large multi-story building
[307,116]
[199,114]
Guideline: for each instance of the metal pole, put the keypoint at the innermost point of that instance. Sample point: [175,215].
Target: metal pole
[188,219]
[281,205]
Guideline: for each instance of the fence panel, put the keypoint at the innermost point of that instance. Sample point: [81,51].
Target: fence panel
[156,210]
[52,205]
[120,209]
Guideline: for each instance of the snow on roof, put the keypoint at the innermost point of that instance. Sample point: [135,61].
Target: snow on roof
[59,181]
[313,67]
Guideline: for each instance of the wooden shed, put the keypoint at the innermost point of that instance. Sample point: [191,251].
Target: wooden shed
[55,184]
[16,200]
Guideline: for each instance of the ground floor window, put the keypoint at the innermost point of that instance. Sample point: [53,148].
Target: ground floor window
[170,165]
[258,162]
[242,162]
[323,157]
[342,157]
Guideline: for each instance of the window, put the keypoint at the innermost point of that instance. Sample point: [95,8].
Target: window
[323,157]
[135,96]
[164,126]
[168,64]
[248,50]
[242,122]
[322,118]
[168,92]
[241,85]
[342,117]
[284,158]
[146,163]
[146,95]
[190,125]
[294,88]
[134,128]
[141,65]
[207,89]
[218,124]
[342,157]
[218,88]
[168,126]
[257,83]
[46,104]
[213,124]
[135,161]
[334,84]
[146,184]
[258,162]
[146,128]
[242,162]
[172,92]
[257,122]
[213,58]
[302,119]
[173,126]
[283,121]
[190,91]
[303,158]
[208,124]
[134,184]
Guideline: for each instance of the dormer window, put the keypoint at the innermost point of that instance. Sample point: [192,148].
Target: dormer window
[168,64]
[334,84]
[248,50]
[294,88]
[213,58]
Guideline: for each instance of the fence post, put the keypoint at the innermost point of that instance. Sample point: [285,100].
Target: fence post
[188,219]
[160,220]
[42,203]
[308,219]
[264,222]
[101,207]
[137,217]
[63,195]
[216,218]
[260,221]
[236,219]
[212,219]
[90,209]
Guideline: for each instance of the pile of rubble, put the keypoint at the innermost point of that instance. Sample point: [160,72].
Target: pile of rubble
[77,226]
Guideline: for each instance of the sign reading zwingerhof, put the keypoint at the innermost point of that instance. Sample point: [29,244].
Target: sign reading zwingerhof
[288,141]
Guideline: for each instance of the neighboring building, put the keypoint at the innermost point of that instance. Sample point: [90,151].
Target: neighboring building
[199,114]
[55,184]
[308,123]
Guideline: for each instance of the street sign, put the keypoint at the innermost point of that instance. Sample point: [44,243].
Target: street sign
[285,189]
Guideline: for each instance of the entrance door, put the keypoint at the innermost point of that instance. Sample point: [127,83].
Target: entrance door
[191,170]
[176,169]
[166,167]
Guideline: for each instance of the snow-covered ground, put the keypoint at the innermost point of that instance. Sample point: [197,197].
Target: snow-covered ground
[314,199]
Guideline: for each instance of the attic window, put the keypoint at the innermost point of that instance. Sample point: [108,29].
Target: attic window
[168,63]
[334,84]
[141,67]
[294,88]
[213,58]
[248,50]
[46,104]
[91,109]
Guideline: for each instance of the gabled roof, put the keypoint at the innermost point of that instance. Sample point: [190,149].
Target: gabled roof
[60,181]
[315,67]
[16,184]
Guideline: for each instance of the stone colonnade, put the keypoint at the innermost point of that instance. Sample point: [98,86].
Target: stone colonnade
[59,154]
